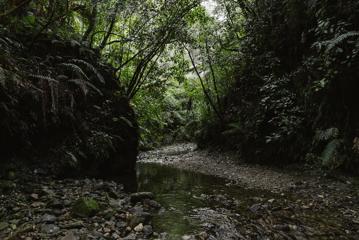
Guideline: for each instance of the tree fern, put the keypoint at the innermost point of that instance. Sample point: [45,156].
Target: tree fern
[89,67]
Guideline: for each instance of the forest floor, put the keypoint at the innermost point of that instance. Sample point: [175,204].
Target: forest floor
[306,204]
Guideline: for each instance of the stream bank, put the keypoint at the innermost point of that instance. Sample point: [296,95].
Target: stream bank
[38,206]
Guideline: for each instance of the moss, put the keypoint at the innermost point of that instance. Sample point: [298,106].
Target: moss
[85,207]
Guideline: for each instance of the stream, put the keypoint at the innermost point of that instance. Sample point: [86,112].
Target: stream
[193,202]
[206,196]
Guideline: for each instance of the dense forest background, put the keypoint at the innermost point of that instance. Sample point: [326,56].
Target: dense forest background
[275,79]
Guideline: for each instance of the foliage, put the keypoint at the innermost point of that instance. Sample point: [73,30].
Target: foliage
[295,75]
[275,78]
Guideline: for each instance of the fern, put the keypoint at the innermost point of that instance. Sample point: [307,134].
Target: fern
[2,77]
[126,121]
[123,120]
[4,45]
[75,69]
[46,78]
[339,39]
[89,67]
[85,86]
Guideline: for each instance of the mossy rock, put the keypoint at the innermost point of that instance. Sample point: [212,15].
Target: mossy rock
[85,207]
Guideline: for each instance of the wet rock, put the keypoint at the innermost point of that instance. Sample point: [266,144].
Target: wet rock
[151,203]
[147,230]
[50,228]
[73,225]
[70,236]
[85,207]
[256,208]
[132,236]
[117,203]
[203,236]
[38,204]
[188,237]
[121,225]
[34,196]
[140,196]
[138,216]
[47,218]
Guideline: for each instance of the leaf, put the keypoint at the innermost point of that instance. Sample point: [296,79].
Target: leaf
[339,39]
[2,77]
[126,121]
[84,86]
[46,78]
[75,69]
[91,68]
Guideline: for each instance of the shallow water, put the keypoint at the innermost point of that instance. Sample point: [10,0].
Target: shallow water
[192,199]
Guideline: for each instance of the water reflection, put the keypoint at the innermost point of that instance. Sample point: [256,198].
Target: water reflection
[180,192]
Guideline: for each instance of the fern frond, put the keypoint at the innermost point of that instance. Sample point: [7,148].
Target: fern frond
[125,121]
[84,86]
[3,43]
[2,77]
[89,67]
[42,77]
[75,69]
[339,39]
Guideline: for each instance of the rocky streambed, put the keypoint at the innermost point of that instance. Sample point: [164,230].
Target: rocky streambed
[39,207]
[168,198]
[207,195]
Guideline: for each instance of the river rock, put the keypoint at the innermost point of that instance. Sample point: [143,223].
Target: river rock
[132,236]
[138,216]
[138,197]
[147,230]
[151,203]
[85,207]
[70,236]
[47,218]
[49,228]
[188,237]
[139,228]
